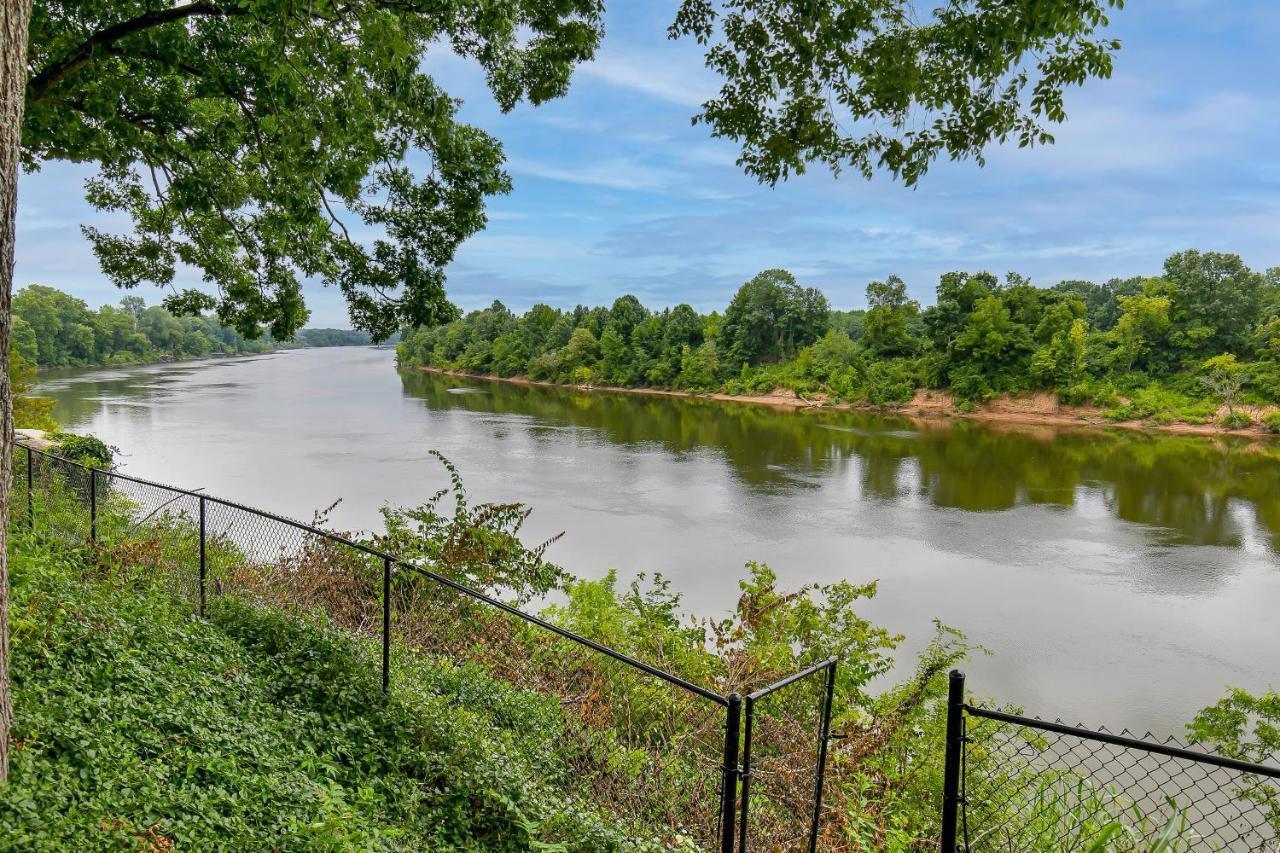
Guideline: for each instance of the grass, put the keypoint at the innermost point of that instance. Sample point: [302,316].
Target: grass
[142,727]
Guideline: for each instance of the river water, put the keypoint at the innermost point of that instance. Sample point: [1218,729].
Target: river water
[1117,578]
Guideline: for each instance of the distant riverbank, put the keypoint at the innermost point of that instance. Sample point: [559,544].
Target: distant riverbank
[146,362]
[1032,410]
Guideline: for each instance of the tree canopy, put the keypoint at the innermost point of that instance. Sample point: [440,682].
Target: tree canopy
[264,142]
[868,84]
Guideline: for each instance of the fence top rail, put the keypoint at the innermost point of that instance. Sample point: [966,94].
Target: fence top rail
[791,679]
[1127,742]
[459,587]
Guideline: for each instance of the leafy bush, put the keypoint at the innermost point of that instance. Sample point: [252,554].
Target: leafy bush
[1236,420]
[1097,392]
[891,382]
[970,385]
[1271,420]
[142,728]
[85,449]
[1159,404]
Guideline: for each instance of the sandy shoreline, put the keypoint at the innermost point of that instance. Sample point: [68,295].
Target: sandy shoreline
[1033,410]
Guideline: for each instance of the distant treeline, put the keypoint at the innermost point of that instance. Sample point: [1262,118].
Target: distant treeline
[55,329]
[1204,333]
[337,338]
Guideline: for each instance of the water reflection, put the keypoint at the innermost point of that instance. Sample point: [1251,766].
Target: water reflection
[1119,577]
[1184,485]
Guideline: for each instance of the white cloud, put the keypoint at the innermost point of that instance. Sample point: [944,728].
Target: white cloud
[619,173]
[659,75]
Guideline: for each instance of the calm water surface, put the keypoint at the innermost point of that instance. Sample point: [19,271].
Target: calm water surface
[1117,578]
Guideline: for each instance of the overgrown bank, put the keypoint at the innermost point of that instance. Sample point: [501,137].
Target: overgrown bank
[142,726]
[1198,345]
[1029,409]
[598,738]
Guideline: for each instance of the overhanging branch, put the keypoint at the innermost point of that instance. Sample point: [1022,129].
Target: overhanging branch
[39,86]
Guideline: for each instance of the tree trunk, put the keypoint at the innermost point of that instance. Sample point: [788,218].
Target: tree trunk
[15,17]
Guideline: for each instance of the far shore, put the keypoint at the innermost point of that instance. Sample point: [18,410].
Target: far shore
[1040,409]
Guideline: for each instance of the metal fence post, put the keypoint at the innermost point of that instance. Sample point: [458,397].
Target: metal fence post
[824,737]
[951,764]
[749,706]
[203,558]
[31,501]
[93,505]
[732,724]
[386,623]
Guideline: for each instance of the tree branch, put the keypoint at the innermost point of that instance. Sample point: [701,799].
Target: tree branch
[39,86]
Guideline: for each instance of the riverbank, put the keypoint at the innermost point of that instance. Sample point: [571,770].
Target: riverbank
[169,359]
[1041,409]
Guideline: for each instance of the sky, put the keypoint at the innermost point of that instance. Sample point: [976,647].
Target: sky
[615,192]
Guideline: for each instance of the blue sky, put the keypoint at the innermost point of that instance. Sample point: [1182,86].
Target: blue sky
[616,193]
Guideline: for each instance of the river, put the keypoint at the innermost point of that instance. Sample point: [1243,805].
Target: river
[1117,578]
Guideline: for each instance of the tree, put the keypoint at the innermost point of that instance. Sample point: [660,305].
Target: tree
[14,18]
[626,314]
[874,84]
[242,136]
[957,294]
[888,312]
[991,343]
[1215,302]
[772,316]
[28,412]
[133,306]
[1143,324]
[1225,378]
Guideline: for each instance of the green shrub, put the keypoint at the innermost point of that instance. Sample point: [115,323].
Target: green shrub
[1271,420]
[141,727]
[1097,392]
[85,449]
[1237,420]
[891,383]
[969,384]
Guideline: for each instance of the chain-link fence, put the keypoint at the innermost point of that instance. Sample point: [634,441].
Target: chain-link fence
[658,754]
[1016,783]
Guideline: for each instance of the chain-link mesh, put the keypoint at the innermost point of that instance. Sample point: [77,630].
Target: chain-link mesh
[61,499]
[146,527]
[646,750]
[1029,789]
[780,761]
[21,494]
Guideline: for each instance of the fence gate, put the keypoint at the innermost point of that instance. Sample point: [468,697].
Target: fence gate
[785,732]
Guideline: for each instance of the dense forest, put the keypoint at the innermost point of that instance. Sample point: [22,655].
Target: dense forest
[1199,342]
[55,329]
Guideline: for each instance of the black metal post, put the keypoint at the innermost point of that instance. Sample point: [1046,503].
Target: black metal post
[386,623]
[749,706]
[729,798]
[31,501]
[93,505]
[824,736]
[951,763]
[203,558]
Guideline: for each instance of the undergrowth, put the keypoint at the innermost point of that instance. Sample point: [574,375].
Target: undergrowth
[142,727]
